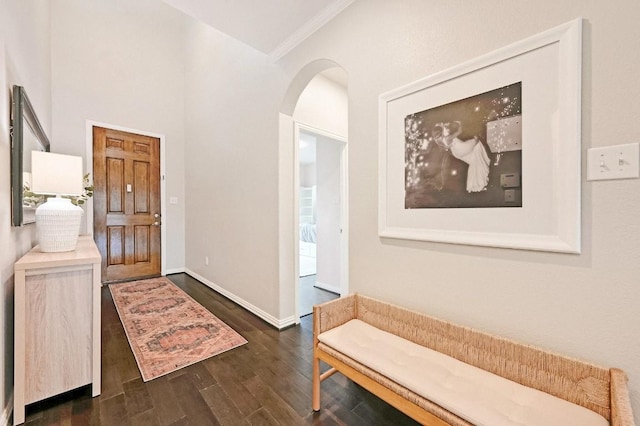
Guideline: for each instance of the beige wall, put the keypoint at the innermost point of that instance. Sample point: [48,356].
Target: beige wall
[583,305]
[25,59]
[144,66]
[231,168]
[121,63]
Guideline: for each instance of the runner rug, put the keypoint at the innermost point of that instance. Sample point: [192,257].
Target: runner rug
[167,329]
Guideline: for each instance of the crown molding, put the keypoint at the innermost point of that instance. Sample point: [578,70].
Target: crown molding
[308,28]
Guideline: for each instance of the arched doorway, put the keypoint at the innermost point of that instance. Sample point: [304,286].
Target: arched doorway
[315,106]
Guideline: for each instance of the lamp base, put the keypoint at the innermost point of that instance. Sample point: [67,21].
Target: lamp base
[58,225]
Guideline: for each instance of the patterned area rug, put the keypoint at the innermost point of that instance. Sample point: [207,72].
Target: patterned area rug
[166,328]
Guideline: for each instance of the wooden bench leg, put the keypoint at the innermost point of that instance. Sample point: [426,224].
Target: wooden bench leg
[316,385]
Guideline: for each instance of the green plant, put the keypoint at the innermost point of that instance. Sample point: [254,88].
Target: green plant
[87,192]
[32,199]
[29,198]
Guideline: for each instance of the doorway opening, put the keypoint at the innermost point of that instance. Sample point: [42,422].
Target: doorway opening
[321,199]
[320,174]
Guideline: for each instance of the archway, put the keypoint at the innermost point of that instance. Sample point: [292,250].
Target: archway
[291,123]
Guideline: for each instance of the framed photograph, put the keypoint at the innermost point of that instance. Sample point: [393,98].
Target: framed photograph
[488,152]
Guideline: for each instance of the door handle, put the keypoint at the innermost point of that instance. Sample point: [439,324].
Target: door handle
[156,223]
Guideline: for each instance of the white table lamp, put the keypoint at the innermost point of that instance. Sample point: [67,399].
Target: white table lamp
[57,220]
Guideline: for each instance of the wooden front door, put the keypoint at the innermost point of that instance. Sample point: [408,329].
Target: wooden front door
[126,206]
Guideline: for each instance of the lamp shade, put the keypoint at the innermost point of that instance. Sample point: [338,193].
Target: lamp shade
[56,174]
[57,220]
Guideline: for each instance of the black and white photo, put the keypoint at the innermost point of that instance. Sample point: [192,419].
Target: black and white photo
[466,153]
[487,152]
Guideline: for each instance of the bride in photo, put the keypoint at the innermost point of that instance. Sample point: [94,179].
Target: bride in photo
[470,151]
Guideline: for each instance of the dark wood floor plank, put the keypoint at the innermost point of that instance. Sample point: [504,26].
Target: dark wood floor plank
[116,350]
[111,380]
[192,403]
[238,393]
[225,410]
[265,382]
[113,411]
[378,412]
[109,313]
[262,417]
[239,362]
[85,411]
[334,415]
[200,376]
[146,418]
[61,416]
[126,365]
[184,421]
[136,397]
[166,406]
[278,407]
[285,384]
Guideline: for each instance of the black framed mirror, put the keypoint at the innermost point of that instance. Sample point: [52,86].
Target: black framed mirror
[27,135]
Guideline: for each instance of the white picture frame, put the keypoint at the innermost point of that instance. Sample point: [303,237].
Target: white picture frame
[548,65]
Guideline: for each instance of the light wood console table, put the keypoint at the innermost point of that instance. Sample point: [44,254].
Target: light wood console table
[57,324]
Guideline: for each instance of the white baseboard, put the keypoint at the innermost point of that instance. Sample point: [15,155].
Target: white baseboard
[328,287]
[175,271]
[278,323]
[6,413]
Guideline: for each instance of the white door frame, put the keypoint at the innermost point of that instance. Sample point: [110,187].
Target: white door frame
[90,124]
[344,209]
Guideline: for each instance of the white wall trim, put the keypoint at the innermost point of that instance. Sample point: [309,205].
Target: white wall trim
[278,323]
[309,28]
[90,124]
[6,413]
[328,287]
[300,125]
[174,271]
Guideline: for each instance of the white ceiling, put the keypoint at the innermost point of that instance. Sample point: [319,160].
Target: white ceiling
[271,26]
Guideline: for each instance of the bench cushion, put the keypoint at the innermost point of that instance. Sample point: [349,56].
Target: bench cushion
[473,394]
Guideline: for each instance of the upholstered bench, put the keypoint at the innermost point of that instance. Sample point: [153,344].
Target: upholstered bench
[443,374]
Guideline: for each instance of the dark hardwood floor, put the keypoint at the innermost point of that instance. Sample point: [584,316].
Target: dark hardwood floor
[265,382]
[311,295]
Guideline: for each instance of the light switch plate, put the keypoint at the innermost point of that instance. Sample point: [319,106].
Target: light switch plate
[613,162]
